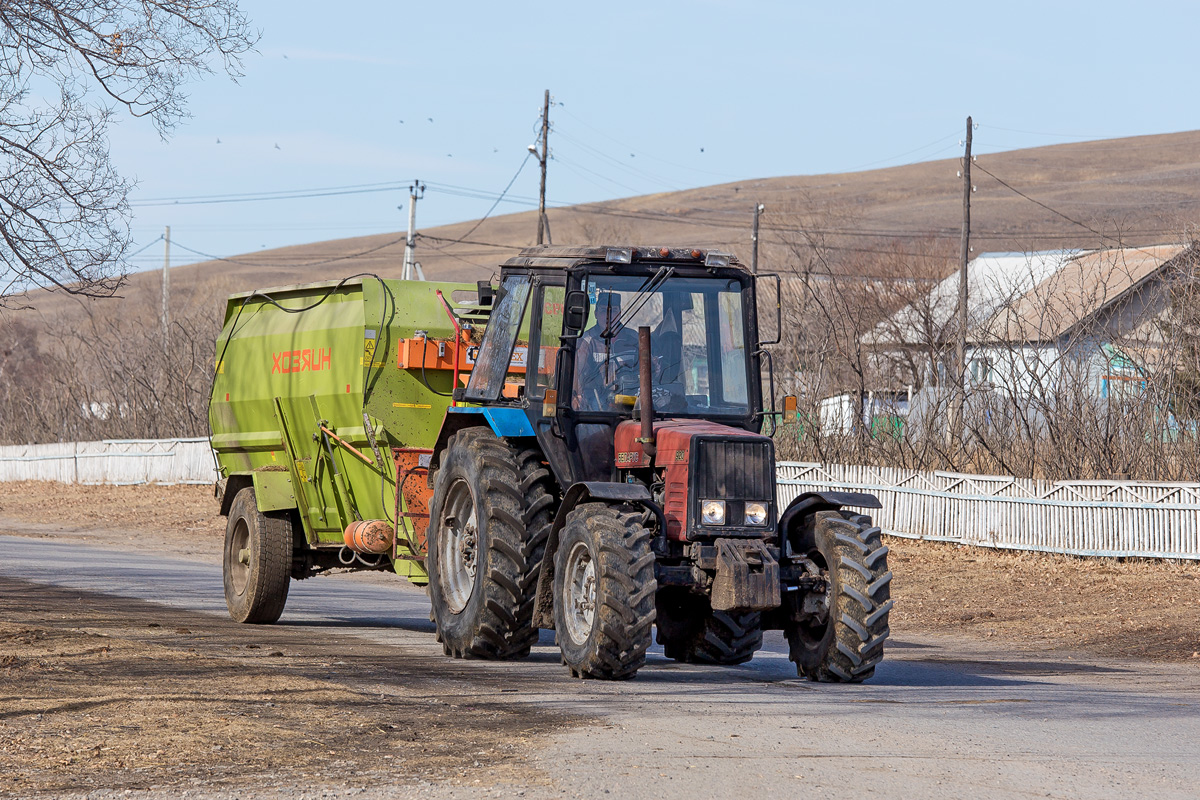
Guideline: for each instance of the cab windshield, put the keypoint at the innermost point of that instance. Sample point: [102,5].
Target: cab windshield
[697,344]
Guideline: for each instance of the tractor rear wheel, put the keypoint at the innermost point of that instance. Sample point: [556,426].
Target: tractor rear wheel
[844,641]
[604,591]
[257,563]
[690,631]
[491,513]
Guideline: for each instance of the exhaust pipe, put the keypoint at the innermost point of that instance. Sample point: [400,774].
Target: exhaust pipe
[647,399]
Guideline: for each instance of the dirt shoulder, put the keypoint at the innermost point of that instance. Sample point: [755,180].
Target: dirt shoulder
[1132,608]
[97,691]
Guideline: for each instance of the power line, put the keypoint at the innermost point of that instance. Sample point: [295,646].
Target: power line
[333,260]
[1015,190]
[500,198]
[253,197]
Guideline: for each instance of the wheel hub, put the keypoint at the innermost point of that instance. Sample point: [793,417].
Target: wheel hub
[581,593]
[239,567]
[458,547]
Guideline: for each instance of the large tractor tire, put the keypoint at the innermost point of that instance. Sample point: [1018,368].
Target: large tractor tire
[604,591]
[690,631]
[844,644]
[492,508]
[258,560]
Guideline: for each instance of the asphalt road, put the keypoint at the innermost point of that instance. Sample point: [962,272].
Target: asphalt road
[943,717]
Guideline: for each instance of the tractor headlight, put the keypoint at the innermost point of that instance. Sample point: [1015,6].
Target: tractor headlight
[712,512]
[756,513]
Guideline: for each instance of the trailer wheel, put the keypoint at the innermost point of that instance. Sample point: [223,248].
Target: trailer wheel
[703,636]
[604,591]
[257,564]
[844,642]
[491,514]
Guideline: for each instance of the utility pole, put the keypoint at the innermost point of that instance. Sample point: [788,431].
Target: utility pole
[166,291]
[415,192]
[960,354]
[758,210]
[543,157]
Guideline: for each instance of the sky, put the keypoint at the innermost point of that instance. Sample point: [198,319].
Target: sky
[648,97]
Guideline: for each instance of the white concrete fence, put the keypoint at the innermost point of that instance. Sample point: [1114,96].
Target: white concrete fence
[1088,518]
[113,461]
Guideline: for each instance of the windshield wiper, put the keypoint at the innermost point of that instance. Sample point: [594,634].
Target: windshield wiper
[639,300]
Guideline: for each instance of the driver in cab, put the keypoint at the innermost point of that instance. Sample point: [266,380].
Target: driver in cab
[605,366]
[608,366]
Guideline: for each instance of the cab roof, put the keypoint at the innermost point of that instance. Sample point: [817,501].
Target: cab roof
[566,257]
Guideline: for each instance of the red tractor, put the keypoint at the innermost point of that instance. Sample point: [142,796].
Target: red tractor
[608,476]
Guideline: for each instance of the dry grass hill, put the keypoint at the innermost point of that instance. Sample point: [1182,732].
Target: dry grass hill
[1139,191]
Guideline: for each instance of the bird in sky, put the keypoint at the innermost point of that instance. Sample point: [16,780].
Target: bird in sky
[430,119]
[277,147]
[218,140]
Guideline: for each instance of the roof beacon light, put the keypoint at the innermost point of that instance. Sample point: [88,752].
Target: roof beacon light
[717,260]
[619,255]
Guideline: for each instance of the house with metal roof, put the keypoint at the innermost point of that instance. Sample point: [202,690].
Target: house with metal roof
[1035,320]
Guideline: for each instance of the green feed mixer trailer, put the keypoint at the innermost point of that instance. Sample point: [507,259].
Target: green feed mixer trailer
[578,447]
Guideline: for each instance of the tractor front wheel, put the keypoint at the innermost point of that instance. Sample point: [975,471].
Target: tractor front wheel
[604,591]
[491,513]
[842,642]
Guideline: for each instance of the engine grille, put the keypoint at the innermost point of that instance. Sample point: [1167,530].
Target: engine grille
[740,469]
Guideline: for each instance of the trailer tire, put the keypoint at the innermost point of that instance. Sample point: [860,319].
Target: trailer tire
[483,569]
[604,591]
[257,563]
[847,643]
[715,637]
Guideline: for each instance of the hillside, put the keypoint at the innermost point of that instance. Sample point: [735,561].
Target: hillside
[1141,190]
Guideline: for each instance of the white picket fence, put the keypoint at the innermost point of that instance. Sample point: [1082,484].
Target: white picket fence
[1087,518]
[113,461]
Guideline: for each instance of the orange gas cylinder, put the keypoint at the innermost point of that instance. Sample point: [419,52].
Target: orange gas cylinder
[369,536]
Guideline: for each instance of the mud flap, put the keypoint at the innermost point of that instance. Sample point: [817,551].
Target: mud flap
[747,576]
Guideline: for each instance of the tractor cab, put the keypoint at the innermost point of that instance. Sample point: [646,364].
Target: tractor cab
[562,345]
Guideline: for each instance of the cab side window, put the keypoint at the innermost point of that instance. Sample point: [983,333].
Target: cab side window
[549,338]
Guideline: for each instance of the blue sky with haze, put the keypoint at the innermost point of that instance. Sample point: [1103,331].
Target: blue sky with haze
[655,96]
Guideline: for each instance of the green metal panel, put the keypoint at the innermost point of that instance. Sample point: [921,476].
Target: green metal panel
[290,360]
[273,489]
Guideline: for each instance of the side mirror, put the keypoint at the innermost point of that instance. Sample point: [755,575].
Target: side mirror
[778,307]
[575,311]
[789,407]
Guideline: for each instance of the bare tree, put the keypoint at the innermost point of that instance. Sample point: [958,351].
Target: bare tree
[66,68]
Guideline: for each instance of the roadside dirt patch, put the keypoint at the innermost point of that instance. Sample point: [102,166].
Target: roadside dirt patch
[180,519]
[1135,608]
[99,691]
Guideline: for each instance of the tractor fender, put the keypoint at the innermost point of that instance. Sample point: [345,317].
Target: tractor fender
[810,503]
[507,423]
[582,492]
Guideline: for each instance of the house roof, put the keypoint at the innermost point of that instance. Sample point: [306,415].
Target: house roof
[1080,288]
[1026,297]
